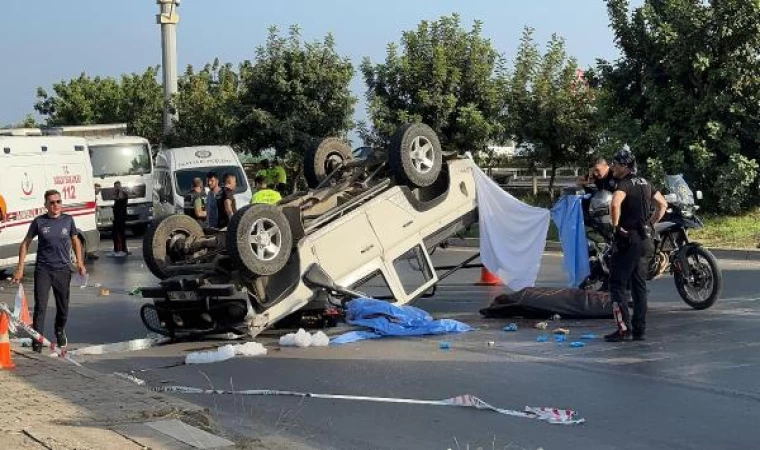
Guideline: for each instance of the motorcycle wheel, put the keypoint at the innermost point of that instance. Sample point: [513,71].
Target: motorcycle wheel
[700,283]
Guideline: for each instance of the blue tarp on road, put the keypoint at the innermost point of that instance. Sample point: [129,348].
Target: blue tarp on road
[567,214]
[386,319]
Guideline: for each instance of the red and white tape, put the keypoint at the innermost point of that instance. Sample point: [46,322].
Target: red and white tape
[550,415]
[17,324]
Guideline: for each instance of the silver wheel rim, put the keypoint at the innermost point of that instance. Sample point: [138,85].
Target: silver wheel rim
[422,154]
[265,239]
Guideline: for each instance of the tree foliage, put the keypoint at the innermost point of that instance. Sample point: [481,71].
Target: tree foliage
[687,88]
[444,76]
[551,108]
[293,94]
[135,99]
[207,101]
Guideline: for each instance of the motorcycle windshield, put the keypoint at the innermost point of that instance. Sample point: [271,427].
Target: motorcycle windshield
[678,187]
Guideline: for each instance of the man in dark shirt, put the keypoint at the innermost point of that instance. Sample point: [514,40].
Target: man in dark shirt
[121,199]
[57,234]
[632,220]
[600,176]
[226,200]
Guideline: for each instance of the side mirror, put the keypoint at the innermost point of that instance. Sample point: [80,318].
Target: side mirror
[699,195]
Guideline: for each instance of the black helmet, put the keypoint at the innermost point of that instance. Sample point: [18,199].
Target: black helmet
[624,157]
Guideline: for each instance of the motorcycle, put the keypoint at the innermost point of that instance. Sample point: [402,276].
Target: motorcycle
[695,270]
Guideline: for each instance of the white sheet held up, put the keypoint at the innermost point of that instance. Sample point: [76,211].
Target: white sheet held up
[512,233]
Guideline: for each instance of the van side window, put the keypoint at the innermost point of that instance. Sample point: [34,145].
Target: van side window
[413,269]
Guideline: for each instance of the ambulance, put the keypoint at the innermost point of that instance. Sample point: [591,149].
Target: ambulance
[175,169]
[31,165]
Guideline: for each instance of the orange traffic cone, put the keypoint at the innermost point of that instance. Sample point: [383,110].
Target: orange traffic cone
[5,344]
[488,279]
[21,309]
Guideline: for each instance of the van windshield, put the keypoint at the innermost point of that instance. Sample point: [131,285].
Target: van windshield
[185,177]
[120,160]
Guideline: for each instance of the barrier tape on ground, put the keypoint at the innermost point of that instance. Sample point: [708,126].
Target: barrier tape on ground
[550,415]
[35,335]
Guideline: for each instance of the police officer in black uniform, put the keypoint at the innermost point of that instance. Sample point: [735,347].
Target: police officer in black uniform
[632,217]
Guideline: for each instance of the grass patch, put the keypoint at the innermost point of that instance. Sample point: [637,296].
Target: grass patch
[730,231]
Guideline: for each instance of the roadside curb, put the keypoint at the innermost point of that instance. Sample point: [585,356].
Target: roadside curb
[176,404]
[554,246]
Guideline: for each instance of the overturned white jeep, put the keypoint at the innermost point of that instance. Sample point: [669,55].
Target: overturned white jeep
[370,218]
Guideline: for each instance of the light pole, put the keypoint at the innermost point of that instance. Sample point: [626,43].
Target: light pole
[168,19]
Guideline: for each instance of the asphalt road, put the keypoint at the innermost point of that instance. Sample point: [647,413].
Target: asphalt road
[692,384]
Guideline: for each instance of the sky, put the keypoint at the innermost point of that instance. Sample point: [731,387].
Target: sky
[48,41]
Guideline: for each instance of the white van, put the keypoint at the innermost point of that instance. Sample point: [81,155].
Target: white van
[176,168]
[29,166]
[117,157]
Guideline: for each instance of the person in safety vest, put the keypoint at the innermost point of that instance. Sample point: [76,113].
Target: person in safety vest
[263,193]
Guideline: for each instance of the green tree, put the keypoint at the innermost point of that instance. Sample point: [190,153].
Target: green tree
[444,76]
[135,99]
[207,102]
[687,88]
[551,107]
[293,94]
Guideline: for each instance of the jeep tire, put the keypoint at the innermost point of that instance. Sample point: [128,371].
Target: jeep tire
[259,239]
[415,157]
[158,239]
[320,160]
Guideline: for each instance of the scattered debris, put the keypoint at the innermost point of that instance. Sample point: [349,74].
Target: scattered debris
[560,338]
[511,327]
[556,317]
[491,343]
[589,336]
[104,292]
[444,345]
[542,338]
[577,344]
[303,339]
[131,378]
[561,331]
[226,352]
[542,325]
[550,415]
[117,347]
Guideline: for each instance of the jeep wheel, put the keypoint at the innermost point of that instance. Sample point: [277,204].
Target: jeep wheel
[415,156]
[323,158]
[160,240]
[259,239]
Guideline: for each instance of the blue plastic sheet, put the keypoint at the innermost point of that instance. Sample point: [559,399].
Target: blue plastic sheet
[567,214]
[386,319]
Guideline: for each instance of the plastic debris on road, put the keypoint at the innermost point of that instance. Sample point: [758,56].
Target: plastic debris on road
[303,339]
[542,325]
[444,345]
[226,352]
[542,338]
[589,336]
[250,349]
[559,338]
[556,317]
[385,319]
[132,378]
[561,331]
[577,344]
[511,327]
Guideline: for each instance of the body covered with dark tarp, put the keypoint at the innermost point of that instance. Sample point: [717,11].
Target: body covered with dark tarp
[542,303]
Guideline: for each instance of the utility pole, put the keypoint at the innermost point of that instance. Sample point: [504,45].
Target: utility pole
[168,19]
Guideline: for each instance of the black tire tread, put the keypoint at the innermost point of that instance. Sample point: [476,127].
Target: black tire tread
[154,240]
[717,281]
[315,157]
